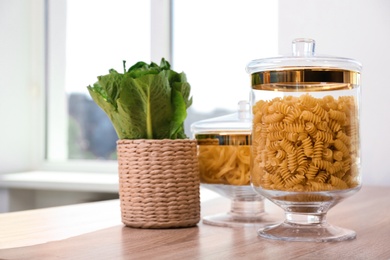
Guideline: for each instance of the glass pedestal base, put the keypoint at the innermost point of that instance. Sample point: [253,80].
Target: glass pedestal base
[323,232]
[246,209]
[227,220]
[305,216]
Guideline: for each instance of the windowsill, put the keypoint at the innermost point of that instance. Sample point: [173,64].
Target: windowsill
[71,181]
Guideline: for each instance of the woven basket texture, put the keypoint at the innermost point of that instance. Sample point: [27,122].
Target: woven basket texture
[159,183]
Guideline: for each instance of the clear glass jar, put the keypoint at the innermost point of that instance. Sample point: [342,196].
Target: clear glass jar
[305,139]
[224,163]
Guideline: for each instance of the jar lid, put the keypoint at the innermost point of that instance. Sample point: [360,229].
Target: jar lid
[232,129]
[304,66]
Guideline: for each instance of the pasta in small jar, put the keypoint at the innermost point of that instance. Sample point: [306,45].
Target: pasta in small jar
[305,153]
[224,164]
[224,147]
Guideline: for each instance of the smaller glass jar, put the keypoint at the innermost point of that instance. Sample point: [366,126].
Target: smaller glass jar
[224,163]
[306,146]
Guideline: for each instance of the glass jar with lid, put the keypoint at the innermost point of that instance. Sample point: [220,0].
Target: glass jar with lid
[305,139]
[224,163]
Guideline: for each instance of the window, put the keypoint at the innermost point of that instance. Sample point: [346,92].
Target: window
[86,38]
[211,44]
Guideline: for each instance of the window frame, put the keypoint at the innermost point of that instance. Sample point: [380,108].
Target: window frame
[54,112]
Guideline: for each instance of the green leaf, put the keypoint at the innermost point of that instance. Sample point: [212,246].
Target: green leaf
[179,115]
[149,101]
[107,107]
[109,85]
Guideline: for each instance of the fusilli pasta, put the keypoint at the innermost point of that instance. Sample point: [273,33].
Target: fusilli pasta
[305,143]
[224,164]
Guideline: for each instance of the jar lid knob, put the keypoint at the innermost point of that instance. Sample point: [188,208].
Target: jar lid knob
[303,47]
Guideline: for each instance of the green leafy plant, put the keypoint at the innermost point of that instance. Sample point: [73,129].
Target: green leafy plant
[148,101]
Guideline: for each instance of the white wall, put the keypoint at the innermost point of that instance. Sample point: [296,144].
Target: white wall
[21,84]
[14,85]
[358,29]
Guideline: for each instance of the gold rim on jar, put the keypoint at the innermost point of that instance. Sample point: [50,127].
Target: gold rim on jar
[305,79]
[224,139]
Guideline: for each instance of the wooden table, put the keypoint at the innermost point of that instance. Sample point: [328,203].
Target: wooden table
[94,231]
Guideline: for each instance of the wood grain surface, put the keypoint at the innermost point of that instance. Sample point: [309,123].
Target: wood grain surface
[367,212]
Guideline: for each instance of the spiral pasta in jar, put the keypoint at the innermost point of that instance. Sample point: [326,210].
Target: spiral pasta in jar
[224,147]
[305,132]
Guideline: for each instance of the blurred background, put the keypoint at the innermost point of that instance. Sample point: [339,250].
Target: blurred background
[51,50]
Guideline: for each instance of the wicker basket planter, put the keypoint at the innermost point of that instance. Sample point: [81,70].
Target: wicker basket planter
[158,183]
